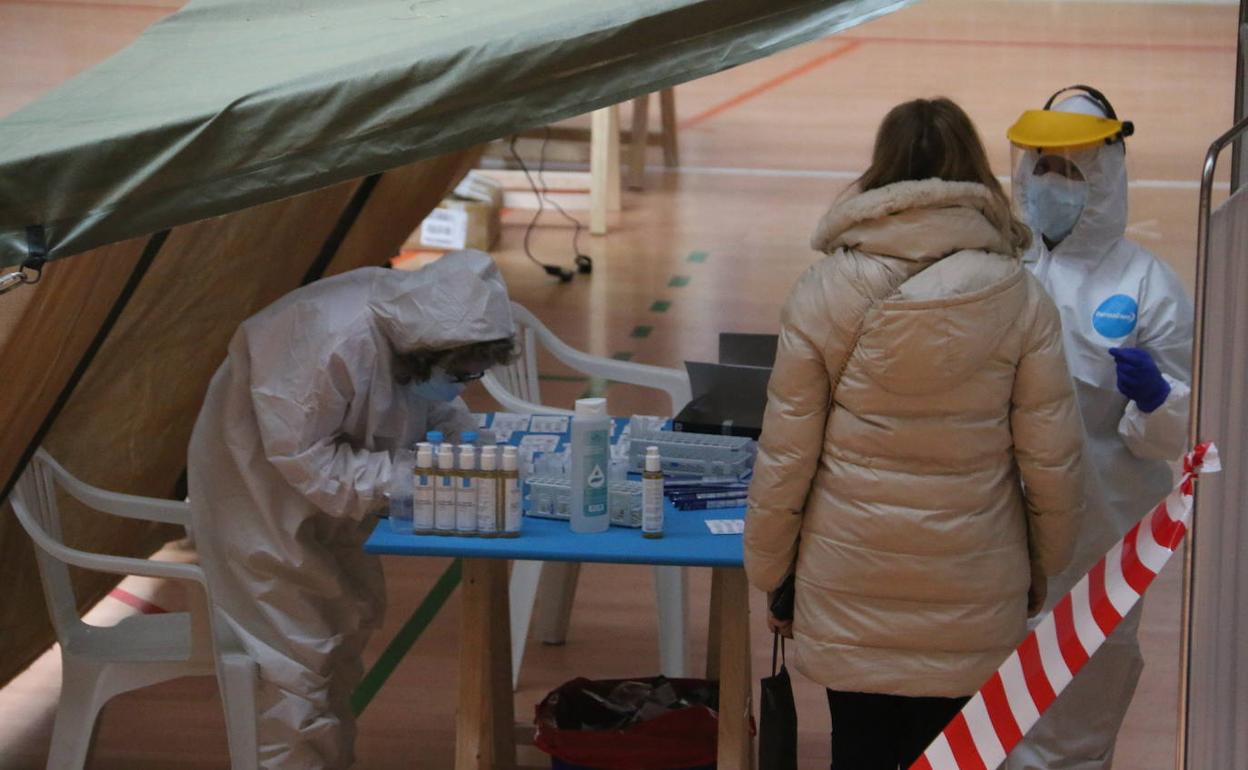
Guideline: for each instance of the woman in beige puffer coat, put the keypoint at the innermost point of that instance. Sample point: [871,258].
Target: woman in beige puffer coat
[922,499]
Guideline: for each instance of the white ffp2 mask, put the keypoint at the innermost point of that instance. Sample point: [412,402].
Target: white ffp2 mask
[1054,204]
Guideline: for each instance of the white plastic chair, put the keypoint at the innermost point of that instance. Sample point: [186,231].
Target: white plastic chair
[98,662]
[516,387]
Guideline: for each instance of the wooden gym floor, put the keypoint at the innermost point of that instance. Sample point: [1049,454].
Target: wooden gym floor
[711,246]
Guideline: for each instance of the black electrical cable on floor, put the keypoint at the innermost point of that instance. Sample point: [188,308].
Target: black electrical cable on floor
[580,258]
[562,273]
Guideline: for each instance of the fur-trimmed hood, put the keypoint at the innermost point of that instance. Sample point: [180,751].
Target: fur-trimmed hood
[921,220]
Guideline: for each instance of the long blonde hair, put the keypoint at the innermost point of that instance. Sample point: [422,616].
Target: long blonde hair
[935,138]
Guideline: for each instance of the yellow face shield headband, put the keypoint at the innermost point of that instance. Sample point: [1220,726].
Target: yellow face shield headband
[1049,129]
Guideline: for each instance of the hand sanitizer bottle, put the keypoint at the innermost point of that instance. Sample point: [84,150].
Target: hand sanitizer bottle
[488,502]
[423,485]
[590,463]
[444,492]
[652,495]
[466,491]
[511,492]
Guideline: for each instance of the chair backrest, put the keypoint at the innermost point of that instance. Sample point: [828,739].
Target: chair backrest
[520,377]
[516,386]
[34,501]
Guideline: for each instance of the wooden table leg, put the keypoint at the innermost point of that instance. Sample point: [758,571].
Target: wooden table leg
[731,600]
[714,622]
[486,716]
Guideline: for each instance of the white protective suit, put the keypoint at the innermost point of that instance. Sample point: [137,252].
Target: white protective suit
[1111,292]
[293,450]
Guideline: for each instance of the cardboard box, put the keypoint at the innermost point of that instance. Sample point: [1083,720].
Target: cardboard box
[469,218]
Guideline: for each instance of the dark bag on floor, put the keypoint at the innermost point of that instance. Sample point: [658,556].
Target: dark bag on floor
[777,731]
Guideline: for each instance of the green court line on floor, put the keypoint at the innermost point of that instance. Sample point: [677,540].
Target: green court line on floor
[641,332]
[562,378]
[406,638]
[660,306]
[679,281]
[698,256]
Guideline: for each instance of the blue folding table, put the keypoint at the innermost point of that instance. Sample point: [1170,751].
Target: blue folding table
[485,719]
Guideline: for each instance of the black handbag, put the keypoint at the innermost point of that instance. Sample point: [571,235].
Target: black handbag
[777,723]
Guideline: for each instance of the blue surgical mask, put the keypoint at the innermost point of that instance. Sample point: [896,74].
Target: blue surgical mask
[439,387]
[1054,204]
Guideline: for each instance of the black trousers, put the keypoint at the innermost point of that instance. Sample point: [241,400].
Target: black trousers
[885,732]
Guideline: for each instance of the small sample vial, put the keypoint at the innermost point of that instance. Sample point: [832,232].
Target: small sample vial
[400,491]
[543,503]
[423,490]
[466,491]
[511,492]
[652,495]
[444,492]
[489,510]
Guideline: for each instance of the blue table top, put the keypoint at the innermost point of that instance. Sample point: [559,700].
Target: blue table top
[686,541]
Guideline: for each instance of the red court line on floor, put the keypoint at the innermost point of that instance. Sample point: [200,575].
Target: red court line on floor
[1054,44]
[142,605]
[101,6]
[783,77]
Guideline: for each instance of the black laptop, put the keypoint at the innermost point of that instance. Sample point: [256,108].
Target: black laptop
[727,399]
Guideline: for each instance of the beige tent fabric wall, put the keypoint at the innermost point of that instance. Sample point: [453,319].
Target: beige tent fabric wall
[61,316]
[128,422]
[12,306]
[390,216]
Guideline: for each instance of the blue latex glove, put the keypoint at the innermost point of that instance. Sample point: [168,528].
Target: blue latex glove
[1139,379]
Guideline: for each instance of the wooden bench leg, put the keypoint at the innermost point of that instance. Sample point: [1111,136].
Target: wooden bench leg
[486,716]
[671,147]
[731,601]
[637,143]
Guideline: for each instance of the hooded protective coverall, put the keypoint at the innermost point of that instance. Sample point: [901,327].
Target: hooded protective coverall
[1111,293]
[291,452]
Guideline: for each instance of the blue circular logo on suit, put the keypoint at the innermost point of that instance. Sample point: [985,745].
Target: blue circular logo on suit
[1116,317]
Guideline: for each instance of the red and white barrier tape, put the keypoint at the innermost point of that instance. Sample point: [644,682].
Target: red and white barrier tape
[1012,701]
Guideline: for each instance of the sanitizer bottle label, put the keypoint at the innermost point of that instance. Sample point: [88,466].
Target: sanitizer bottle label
[596,464]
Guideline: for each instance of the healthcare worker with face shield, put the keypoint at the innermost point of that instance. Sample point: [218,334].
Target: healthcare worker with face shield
[1128,333]
[292,452]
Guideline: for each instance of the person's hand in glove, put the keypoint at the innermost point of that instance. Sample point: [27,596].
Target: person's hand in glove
[1139,379]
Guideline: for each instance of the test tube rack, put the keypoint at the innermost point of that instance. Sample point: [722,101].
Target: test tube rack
[549,497]
[693,454]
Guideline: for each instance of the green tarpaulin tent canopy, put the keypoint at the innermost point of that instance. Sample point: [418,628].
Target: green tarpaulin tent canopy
[231,103]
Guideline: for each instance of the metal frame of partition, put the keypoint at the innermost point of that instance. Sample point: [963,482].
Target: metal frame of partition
[1239,167]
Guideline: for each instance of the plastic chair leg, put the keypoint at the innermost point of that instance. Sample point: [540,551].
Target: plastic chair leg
[76,714]
[558,590]
[525,577]
[672,597]
[237,680]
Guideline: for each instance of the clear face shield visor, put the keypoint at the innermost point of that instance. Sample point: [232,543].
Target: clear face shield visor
[1052,152]
[1050,187]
